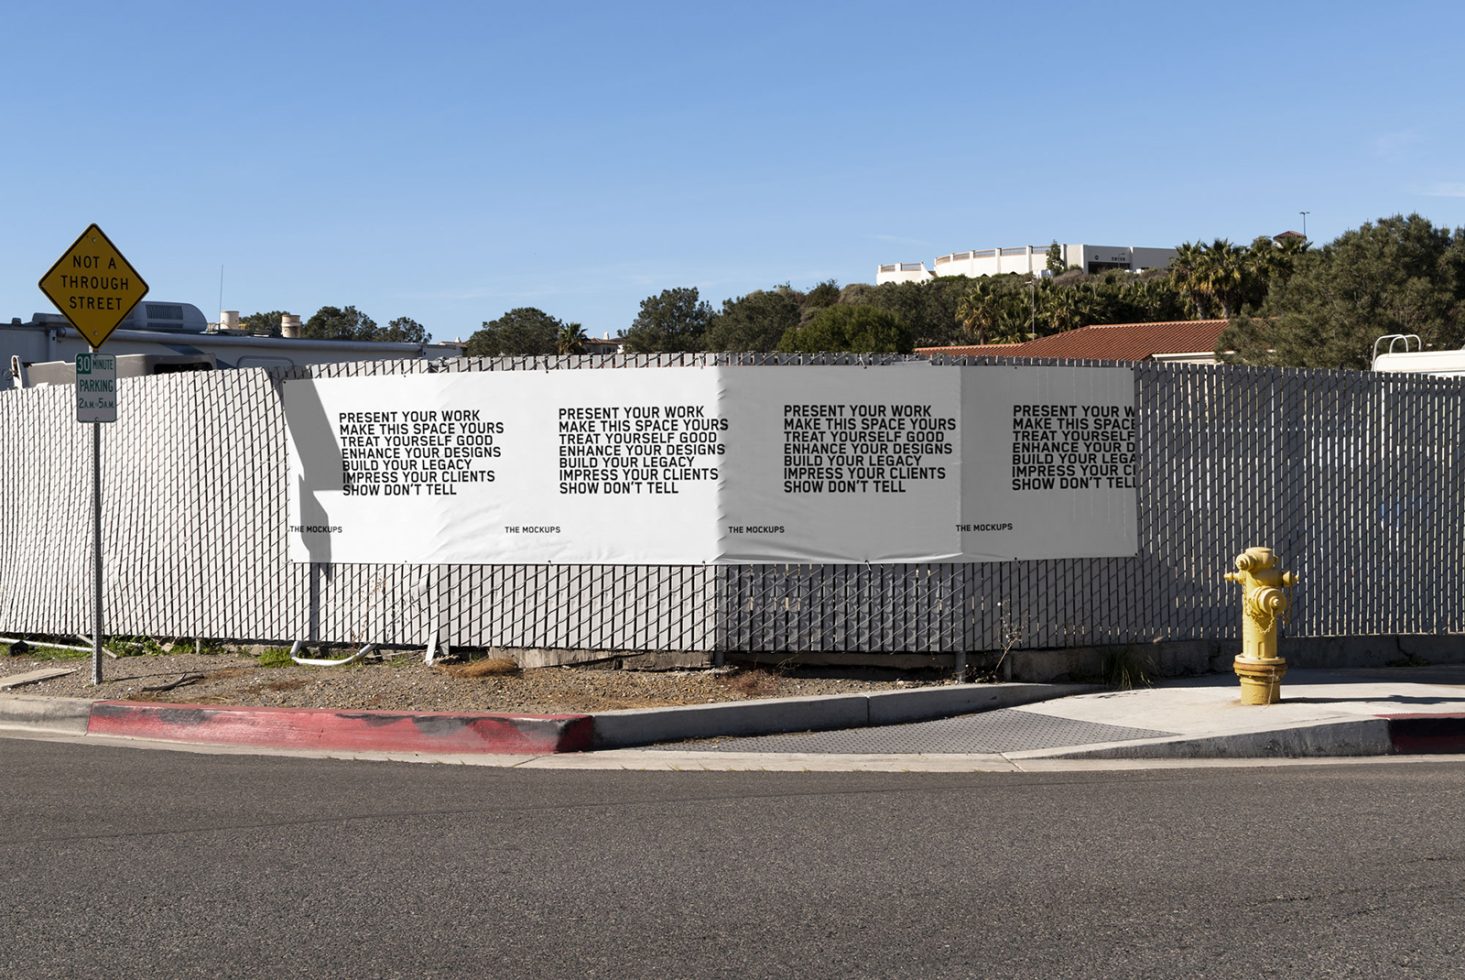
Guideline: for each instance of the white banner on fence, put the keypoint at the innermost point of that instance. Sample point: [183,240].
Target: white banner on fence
[839,464]
[902,463]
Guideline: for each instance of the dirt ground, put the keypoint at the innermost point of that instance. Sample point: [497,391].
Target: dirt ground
[405,683]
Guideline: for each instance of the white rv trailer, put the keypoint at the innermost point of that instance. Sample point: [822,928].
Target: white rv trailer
[1404,354]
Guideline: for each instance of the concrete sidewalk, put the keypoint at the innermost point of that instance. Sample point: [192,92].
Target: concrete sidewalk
[1360,712]
[1368,711]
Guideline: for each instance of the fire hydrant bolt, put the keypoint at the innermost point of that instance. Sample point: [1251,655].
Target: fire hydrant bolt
[1265,602]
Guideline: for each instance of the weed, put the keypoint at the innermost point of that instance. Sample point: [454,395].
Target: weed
[487,667]
[754,683]
[276,657]
[139,646]
[1127,668]
[150,646]
[1012,629]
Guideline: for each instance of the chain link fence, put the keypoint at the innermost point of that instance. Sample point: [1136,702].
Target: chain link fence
[1355,479]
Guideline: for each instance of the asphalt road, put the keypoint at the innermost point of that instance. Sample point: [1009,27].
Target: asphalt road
[123,862]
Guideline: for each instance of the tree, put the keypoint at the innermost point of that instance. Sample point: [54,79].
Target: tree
[1221,279]
[1062,308]
[570,339]
[1223,276]
[675,320]
[1270,262]
[1055,262]
[1212,277]
[404,330]
[521,332]
[263,323]
[1396,275]
[996,310]
[927,308]
[339,323]
[858,329]
[1185,270]
[1121,296]
[1151,297]
[824,294]
[755,322]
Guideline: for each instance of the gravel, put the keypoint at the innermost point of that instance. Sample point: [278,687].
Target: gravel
[405,683]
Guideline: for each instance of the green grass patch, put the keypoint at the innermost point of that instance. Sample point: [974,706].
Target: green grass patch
[146,646]
[40,652]
[276,657]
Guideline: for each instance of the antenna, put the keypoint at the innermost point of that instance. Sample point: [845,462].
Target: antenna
[221,287]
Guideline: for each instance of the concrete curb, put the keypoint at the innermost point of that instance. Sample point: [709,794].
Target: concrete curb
[67,715]
[503,734]
[1425,734]
[483,733]
[322,728]
[1363,737]
[644,726]
[1415,734]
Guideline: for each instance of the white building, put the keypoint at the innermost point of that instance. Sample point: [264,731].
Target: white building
[164,337]
[1028,260]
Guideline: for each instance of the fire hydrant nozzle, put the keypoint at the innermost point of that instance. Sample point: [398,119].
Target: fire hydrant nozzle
[1265,602]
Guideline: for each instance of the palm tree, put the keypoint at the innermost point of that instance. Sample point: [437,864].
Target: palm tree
[995,310]
[1067,308]
[977,310]
[1212,277]
[570,339]
[1223,275]
[1185,270]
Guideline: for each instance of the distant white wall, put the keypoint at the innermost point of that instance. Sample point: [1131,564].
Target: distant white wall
[902,272]
[1153,258]
[1027,260]
[1023,260]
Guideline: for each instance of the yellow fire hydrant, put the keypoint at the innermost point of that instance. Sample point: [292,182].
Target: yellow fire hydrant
[1265,601]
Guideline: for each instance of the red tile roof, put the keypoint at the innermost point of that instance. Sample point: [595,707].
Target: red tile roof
[975,350]
[1108,342]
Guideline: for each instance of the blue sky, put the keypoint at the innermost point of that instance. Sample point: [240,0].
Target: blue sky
[450,161]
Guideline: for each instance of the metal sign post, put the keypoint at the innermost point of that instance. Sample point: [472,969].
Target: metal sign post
[96,552]
[96,402]
[95,287]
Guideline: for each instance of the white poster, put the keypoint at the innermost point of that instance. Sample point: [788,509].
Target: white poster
[901,463]
[841,464]
[595,467]
[1048,463]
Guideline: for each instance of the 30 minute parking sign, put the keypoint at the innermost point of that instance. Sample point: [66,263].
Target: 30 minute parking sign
[96,388]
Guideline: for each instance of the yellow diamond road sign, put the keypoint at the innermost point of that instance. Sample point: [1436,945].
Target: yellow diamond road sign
[93,286]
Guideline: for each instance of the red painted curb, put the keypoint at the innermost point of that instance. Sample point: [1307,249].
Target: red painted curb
[324,728]
[1424,734]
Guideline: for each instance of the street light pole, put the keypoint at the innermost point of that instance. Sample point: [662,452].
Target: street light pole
[1033,308]
[1304,223]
